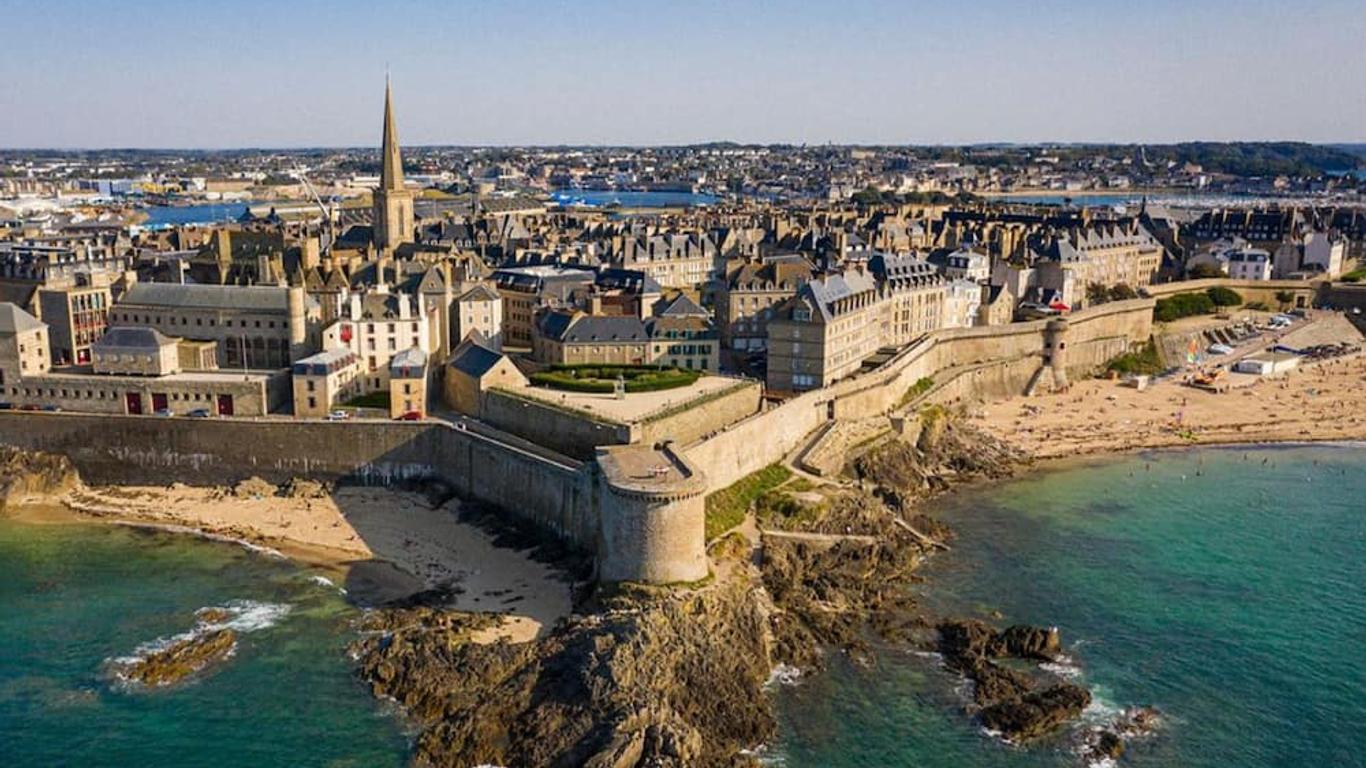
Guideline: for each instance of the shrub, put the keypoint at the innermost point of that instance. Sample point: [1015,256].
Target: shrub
[1224,297]
[1144,361]
[1122,292]
[1182,305]
[1258,306]
[602,378]
[726,508]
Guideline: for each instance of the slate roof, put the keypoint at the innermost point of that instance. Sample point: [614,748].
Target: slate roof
[411,358]
[682,306]
[15,320]
[252,298]
[480,292]
[568,328]
[472,358]
[132,337]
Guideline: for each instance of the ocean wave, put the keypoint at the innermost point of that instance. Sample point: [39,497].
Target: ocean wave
[241,616]
[323,581]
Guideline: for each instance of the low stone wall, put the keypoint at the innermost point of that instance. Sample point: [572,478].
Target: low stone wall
[696,420]
[1251,290]
[573,433]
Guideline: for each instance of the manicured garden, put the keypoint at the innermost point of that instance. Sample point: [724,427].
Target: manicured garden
[603,378]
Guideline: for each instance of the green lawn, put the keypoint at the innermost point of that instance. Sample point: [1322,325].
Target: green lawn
[372,400]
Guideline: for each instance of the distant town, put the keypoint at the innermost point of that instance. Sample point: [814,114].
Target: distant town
[338,284]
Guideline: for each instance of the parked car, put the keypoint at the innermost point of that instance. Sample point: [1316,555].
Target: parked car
[199,413]
[163,412]
[52,408]
[29,407]
[411,416]
[1220,349]
[6,406]
[338,416]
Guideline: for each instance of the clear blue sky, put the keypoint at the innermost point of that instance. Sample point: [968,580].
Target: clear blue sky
[233,73]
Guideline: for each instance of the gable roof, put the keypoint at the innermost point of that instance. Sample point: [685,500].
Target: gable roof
[472,358]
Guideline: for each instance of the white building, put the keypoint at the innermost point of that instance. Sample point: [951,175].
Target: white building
[962,303]
[1249,264]
[376,326]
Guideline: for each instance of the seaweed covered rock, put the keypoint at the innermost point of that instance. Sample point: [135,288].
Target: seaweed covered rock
[1036,713]
[180,659]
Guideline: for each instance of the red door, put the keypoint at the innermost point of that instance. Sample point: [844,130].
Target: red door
[134,402]
[159,401]
[225,405]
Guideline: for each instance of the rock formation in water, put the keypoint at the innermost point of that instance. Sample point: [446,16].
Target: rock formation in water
[1011,702]
[181,658]
[30,476]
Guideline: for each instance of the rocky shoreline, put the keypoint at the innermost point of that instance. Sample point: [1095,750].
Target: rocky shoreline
[658,678]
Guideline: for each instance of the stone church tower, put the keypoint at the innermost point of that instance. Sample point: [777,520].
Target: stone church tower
[393,204]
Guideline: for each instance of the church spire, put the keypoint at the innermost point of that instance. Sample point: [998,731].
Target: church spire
[391,177]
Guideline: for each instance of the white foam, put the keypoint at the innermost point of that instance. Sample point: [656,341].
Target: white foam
[784,674]
[244,616]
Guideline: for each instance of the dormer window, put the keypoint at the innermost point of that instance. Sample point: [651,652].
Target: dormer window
[801,315]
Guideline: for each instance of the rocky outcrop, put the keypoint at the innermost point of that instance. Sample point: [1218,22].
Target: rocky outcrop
[1110,741]
[659,680]
[180,659]
[947,451]
[1036,713]
[1011,702]
[33,477]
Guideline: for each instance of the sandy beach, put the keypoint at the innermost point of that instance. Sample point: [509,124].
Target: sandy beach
[1317,402]
[380,544]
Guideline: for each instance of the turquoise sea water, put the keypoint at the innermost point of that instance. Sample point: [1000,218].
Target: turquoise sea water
[74,596]
[1227,587]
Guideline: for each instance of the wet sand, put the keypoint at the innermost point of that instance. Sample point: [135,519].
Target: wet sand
[380,544]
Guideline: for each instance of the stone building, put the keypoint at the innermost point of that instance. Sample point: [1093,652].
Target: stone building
[479,310]
[408,384]
[325,380]
[571,337]
[77,316]
[255,327]
[377,325]
[837,321]
[133,351]
[473,369]
[23,344]
[744,303]
[678,260]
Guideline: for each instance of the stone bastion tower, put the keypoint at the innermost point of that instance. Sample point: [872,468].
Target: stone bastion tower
[652,516]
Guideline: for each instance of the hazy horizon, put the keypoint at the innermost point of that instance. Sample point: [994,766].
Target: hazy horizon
[254,75]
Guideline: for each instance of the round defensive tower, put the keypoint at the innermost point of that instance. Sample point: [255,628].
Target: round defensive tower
[652,516]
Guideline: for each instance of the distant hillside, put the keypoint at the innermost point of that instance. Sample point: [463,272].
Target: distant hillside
[1259,158]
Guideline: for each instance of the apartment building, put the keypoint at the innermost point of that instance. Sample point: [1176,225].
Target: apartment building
[837,321]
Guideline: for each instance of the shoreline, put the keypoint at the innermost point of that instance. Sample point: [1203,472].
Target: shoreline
[378,546]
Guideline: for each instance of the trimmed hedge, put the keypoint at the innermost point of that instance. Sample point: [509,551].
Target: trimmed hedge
[602,378]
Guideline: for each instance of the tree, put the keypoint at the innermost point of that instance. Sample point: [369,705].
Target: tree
[1122,292]
[1224,297]
[1096,294]
[1200,271]
[1285,298]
